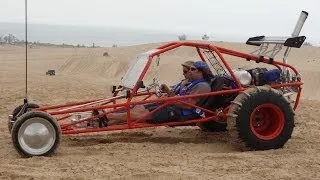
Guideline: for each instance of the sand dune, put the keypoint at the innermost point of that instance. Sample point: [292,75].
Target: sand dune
[156,153]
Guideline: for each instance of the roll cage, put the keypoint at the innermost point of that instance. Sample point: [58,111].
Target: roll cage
[132,92]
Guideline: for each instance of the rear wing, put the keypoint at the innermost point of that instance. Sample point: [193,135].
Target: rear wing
[295,42]
[271,46]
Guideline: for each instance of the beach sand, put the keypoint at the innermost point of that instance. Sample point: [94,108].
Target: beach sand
[154,153]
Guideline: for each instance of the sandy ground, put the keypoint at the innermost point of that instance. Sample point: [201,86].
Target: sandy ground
[155,153]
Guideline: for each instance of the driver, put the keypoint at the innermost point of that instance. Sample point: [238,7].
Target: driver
[197,74]
[178,87]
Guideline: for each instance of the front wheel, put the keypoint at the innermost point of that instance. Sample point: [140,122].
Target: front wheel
[35,134]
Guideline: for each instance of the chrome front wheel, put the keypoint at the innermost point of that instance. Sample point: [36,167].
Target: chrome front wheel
[36,134]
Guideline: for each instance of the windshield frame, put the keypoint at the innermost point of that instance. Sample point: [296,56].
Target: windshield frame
[136,67]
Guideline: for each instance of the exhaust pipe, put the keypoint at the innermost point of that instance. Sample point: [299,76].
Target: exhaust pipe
[301,20]
[295,33]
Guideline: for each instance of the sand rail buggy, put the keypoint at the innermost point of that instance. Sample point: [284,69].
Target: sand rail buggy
[259,110]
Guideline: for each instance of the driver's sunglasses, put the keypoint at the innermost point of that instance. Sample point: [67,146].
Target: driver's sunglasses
[185,71]
[193,68]
[189,69]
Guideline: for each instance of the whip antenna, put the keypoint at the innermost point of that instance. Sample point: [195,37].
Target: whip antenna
[26,33]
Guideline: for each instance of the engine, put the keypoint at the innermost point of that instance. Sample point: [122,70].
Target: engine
[257,76]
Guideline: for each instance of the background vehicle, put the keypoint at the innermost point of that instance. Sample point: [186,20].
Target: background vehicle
[51,72]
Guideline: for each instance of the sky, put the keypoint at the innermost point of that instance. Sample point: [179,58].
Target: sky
[227,17]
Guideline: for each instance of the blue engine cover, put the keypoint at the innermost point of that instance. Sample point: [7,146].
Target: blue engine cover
[271,75]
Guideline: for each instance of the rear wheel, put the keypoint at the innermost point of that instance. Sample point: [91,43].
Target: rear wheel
[267,121]
[260,118]
[35,134]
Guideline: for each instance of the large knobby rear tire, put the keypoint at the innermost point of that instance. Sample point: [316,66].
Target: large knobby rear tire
[36,134]
[260,118]
[17,110]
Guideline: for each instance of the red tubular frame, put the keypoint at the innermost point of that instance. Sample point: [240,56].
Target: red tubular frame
[113,106]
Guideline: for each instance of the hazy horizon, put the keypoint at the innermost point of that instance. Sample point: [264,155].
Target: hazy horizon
[107,36]
[229,18]
[101,36]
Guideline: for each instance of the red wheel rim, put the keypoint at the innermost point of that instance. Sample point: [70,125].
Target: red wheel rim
[267,121]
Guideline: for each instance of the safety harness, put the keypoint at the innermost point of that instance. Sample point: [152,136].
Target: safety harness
[186,90]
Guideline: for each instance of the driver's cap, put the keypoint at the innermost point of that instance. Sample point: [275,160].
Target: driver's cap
[188,64]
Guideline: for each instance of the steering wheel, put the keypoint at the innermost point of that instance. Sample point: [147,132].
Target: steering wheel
[155,85]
